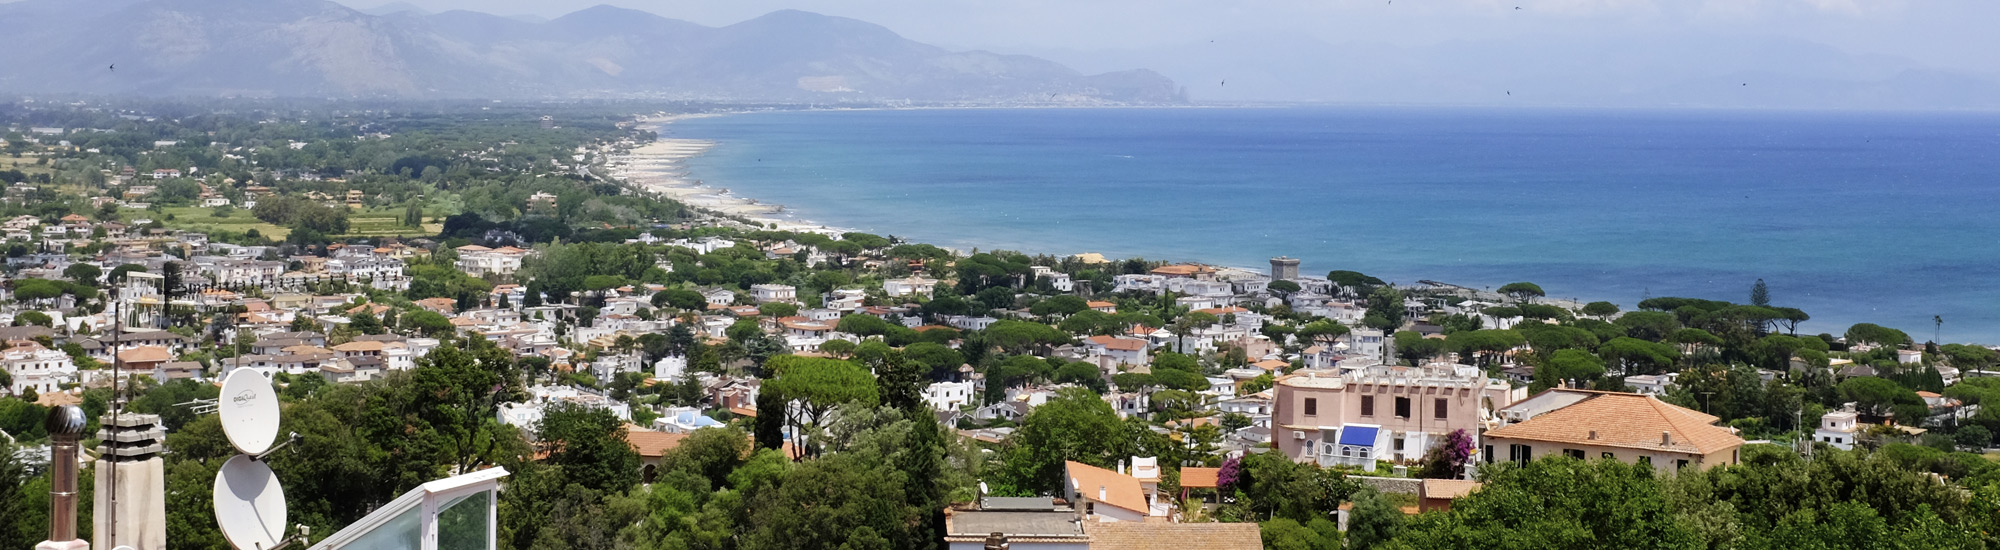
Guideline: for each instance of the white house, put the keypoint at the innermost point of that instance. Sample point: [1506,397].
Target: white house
[909,285]
[767,293]
[948,396]
[1838,429]
[1121,351]
[719,296]
[526,415]
[1649,384]
[478,261]
[1057,279]
[35,367]
[844,299]
[670,367]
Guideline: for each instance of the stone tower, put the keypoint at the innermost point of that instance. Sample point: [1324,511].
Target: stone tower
[1284,268]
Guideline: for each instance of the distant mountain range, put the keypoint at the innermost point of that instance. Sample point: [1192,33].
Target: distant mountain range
[1580,67]
[317,48]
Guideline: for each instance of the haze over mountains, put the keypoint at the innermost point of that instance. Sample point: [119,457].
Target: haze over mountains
[1578,68]
[316,48]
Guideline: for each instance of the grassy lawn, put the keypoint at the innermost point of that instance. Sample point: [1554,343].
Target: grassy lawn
[374,222]
[26,164]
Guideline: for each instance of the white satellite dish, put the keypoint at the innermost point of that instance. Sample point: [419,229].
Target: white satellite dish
[249,504]
[249,409]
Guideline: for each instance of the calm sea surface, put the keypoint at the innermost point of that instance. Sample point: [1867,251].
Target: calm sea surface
[1884,218]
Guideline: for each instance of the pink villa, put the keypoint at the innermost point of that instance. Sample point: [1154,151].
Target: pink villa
[1354,417]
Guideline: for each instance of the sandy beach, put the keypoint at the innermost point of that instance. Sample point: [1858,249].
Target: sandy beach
[660,167]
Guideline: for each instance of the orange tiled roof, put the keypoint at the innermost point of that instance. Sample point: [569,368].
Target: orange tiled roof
[359,345]
[1627,420]
[653,444]
[1118,344]
[145,354]
[1201,478]
[1126,535]
[1120,490]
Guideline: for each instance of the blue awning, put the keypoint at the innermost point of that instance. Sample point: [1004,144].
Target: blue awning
[1358,435]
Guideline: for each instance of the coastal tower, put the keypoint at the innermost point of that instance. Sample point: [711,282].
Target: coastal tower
[131,483]
[1284,268]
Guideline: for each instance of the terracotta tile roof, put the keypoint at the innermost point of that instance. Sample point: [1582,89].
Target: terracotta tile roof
[1271,364]
[1124,535]
[359,345]
[1094,304]
[1118,344]
[145,354]
[653,444]
[1119,490]
[1626,420]
[1201,478]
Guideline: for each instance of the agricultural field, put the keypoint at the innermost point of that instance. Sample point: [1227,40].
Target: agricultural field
[380,222]
[24,163]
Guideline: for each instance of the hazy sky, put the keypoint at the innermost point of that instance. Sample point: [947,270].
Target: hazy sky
[1946,34]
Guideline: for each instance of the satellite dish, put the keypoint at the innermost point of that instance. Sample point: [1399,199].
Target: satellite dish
[249,504]
[249,409]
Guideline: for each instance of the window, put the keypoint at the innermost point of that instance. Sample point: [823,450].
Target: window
[1573,453]
[1312,406]
[1402,407]
[1442,409]
[1367,405]
[1680,464]
[1646,461]
[1520,454]
[1398,445]
[1489,454]
[1608,456]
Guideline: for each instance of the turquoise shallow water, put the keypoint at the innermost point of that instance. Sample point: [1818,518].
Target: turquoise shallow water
[1884,218]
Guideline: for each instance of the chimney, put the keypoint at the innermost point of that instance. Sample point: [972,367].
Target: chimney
[1101,494]
[1593,435]
[1666,438]
[65,426]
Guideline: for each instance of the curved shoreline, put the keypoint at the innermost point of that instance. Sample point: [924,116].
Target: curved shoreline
[666,172]
[660,167]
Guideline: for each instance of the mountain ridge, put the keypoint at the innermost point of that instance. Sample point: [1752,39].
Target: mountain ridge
[317,48]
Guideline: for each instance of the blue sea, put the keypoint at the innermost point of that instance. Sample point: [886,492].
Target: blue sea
[1883,218]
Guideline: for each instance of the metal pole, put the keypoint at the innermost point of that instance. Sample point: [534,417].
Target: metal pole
[117,407]
[65,426]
